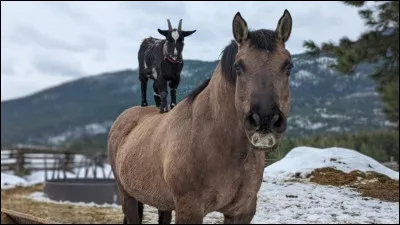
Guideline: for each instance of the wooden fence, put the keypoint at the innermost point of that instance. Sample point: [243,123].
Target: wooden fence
[21,159]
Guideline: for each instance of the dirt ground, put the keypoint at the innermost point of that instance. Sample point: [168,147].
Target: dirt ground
[370,184]
[16,199]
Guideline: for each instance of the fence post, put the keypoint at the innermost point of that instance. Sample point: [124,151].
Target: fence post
[20,164]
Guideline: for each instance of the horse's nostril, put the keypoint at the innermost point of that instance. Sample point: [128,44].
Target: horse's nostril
[278,123]
[253,121]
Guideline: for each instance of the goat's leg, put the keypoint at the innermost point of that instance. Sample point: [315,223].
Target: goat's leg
[173,85]
[157,96]
[163,90]
[143,82]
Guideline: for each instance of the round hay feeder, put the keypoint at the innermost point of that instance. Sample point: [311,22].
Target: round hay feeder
[98,188]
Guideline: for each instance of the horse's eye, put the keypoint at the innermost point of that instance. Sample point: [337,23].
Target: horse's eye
[238,67]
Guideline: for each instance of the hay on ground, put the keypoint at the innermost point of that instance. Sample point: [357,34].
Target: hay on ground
[370,184]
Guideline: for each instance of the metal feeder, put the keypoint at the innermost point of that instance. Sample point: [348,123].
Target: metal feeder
[100,189]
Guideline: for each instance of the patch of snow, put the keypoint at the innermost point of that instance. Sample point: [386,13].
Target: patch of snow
[304,75]
[10,181]
[305,123]
[390,124]
[361,94]
[294,203]
[306,159]
[295,83]
[95,128]
[40,196]
[334,116]
[88,129]
[335,129]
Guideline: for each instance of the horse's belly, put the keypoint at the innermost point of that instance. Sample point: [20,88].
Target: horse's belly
[142,177]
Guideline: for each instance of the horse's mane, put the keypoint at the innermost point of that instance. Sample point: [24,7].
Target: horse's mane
[260,39]
[192,95]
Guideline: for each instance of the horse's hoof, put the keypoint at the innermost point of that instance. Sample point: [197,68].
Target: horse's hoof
[144,104]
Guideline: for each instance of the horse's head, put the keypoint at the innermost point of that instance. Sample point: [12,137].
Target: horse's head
[260,71]
[174,41]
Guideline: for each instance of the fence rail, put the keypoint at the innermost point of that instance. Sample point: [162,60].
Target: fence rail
[32,158]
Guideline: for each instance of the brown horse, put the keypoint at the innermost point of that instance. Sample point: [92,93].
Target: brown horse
[207,154]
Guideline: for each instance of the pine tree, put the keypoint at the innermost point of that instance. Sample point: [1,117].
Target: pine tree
[378,45]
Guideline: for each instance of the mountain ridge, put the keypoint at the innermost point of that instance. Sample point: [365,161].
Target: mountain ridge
[324,101]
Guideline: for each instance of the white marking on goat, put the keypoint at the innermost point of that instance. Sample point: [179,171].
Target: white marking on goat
[155,94]
[263,140]
[145,67]
[175,52]
[154,73]
[175,35]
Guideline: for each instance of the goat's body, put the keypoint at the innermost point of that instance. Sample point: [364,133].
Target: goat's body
[154,65]
[150,56]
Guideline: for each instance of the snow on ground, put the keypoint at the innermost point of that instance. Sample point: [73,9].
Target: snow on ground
[290,202]
[9,181]
[40,196]
[283,200]
[307,159]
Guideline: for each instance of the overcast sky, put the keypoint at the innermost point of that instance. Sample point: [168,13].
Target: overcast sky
[47,43]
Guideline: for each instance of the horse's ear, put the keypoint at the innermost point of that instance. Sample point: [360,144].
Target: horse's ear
[163,32]
[239,28]
[188,33]
[284,27]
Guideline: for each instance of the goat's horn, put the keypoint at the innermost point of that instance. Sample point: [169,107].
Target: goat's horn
[180,25]
[169,25]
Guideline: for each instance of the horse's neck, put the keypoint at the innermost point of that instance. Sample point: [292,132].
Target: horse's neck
[217,103]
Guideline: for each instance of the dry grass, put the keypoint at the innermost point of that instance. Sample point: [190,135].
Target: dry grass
[370,184]
[16,199]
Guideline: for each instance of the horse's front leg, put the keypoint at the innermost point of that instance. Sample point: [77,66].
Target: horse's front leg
[173,85]
[164,217]
[163,90]
[243,215]
[188,211]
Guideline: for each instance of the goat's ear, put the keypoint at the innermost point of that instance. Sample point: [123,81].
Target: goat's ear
[239,28]
[188,33]
[163,32]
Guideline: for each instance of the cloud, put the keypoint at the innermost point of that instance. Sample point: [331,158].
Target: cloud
[28,35]
[67,40]
[54,65]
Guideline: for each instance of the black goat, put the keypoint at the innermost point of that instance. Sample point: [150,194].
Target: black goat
[161,60]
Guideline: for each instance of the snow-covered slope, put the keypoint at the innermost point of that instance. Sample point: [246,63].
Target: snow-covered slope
[304,160]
